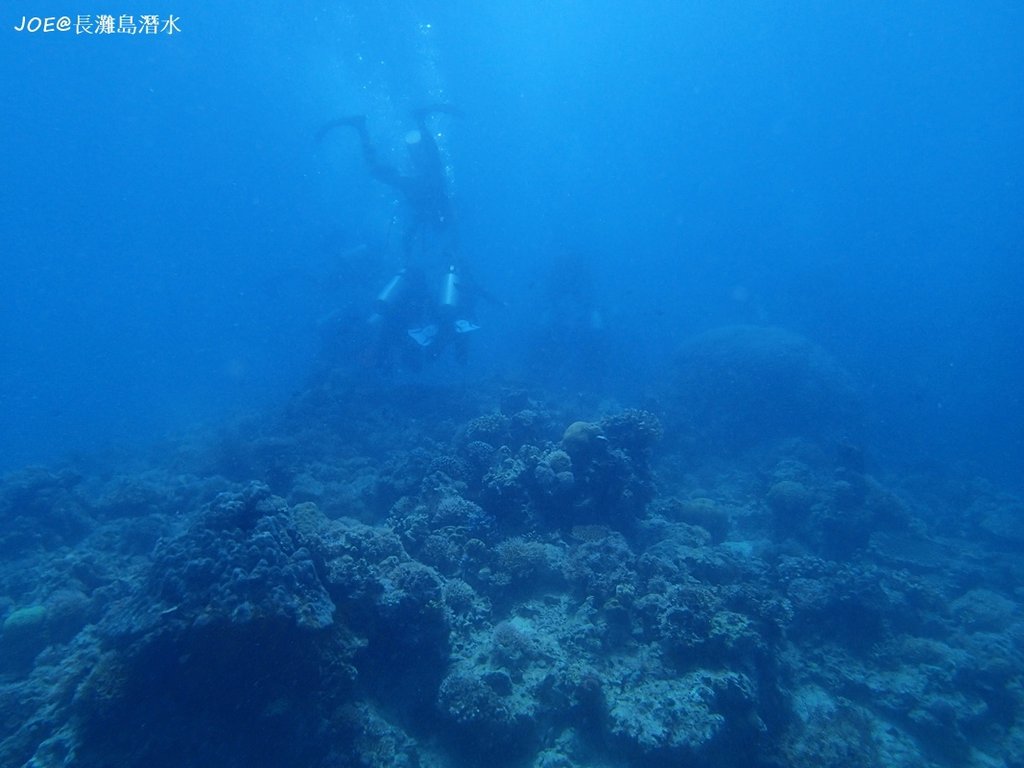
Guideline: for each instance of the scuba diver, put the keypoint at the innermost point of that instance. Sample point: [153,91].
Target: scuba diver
[428,300]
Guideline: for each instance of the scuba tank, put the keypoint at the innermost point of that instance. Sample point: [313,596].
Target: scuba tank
[450,302]
[388,296]
[450,290]
[389,293]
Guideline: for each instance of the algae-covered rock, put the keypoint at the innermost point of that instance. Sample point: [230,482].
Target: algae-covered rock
[790,500]
[25,633]
[632,429]
[703,512]
[692,718]
[1003,520]
[583,439]
[25,620]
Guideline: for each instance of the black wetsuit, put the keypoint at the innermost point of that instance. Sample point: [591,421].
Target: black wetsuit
[429,243]
[431,224]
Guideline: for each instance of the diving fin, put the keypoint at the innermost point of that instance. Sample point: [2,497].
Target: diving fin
[423,336]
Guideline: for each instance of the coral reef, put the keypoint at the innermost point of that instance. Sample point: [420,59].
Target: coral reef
[518,585]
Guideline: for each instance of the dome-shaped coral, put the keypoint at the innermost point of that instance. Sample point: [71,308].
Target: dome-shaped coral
[583,438]
[742,386]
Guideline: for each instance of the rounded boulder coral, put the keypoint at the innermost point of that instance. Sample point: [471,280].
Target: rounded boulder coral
[743,386]
[583,439]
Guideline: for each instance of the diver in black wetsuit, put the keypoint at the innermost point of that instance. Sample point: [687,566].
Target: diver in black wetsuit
[429,246]
[424,190]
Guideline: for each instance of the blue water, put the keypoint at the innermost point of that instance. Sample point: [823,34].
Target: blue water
[171,233]
[728,474]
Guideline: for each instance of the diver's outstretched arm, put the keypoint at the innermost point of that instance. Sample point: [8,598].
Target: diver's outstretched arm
[383,173]
[421,114]
[352,121]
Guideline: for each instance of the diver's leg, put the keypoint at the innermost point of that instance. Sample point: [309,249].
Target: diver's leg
[380,171]
[448,237]
[432,159]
